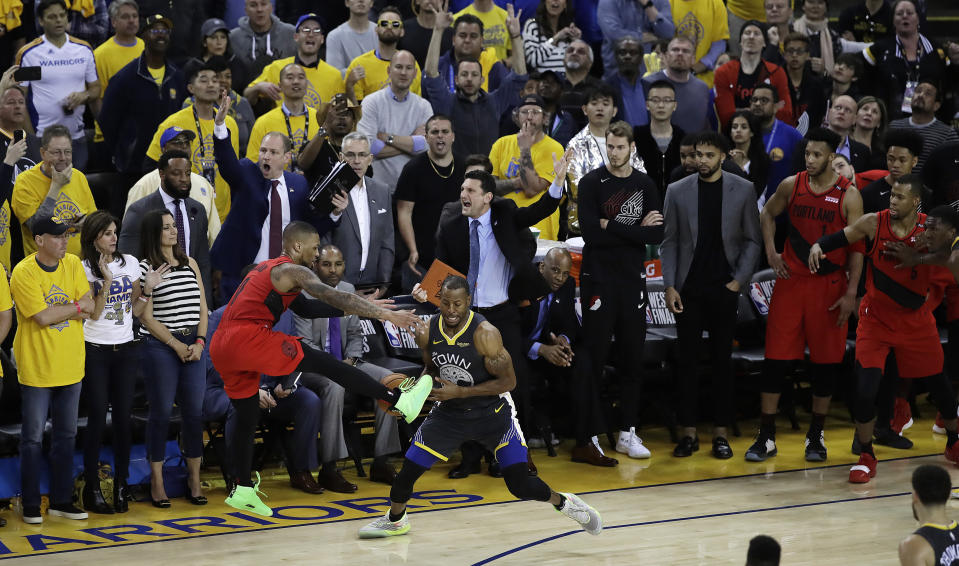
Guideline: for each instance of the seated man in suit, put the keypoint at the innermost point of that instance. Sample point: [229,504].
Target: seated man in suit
[300,406]
[343,338]
[364,230]
[549,330]
[264,198]
[189,214]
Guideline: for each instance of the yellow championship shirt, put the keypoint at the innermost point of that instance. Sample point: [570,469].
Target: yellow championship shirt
[273,121]
[110,58]
[54,355]
[6,300]
[505,158]
[29,190]
[324,81]
[703,21]
[495,34]
[377,75]
[201,155]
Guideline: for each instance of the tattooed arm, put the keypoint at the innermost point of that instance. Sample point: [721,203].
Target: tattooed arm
[489,344]
[530,181]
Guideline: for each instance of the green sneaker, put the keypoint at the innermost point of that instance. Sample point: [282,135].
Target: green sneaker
[383,527]
[246,499]
[413,393]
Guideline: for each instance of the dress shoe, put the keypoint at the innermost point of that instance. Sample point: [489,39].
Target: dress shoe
[591,454]
[304,482]
[94,502]
[121,496]
[687,445]
[533,472]
[161,503]
[382,472]
[332,480]
[721,448]
[464,470]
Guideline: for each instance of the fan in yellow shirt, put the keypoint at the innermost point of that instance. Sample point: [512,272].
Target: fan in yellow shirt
[52,296]
[705,22]
[370,71]
[198,119]
[52,188]
[116,52]
[294,118]
[507,161]
[495,34]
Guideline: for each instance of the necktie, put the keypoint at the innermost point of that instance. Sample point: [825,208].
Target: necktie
[276,220]
[543,316]
[336,341]
[180,231]
[473,274]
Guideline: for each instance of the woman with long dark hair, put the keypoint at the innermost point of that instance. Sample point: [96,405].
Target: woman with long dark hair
[174,339]
[111,353]
[871,122]
[746,139]
[546,35]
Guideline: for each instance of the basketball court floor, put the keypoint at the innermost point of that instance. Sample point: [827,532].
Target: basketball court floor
[661,511]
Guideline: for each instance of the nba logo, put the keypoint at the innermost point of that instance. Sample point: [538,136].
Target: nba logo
[392,334]
[759,298]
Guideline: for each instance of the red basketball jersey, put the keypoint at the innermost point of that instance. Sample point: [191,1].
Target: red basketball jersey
[256,300]
[811,217]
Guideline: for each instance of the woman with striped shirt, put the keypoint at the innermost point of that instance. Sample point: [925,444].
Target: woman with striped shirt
[546,36]
[174,338]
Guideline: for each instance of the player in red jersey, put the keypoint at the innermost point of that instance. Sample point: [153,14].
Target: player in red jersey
[895,314]
[245,346]
[808,309]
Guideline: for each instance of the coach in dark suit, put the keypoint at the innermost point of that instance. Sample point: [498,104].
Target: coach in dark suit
[174,195]
[364,230]
[710,249]
[264,198]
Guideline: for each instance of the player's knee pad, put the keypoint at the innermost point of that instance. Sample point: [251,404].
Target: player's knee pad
[824,379]
[773,376]
[522,485]
[867,388]
[402,488]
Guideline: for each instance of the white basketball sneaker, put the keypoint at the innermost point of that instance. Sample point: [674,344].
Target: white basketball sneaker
[631,444]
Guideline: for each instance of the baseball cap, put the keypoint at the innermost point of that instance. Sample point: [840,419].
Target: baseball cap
[212,26]
[48,226]
[532,100]
[554,74]
[174,131]
[152,19]
[305,17]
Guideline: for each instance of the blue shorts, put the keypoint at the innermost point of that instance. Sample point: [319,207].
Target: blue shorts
[445,429]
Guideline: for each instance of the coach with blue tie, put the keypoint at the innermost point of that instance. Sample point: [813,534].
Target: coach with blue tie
[264,198]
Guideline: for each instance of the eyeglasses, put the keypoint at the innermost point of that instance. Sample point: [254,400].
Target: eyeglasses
[530,112]
[661,101]
[390,24]
[308,31]
[351,156]
[760,100]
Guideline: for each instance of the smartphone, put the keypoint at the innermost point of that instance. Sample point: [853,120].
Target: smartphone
[18,135]
[27,74]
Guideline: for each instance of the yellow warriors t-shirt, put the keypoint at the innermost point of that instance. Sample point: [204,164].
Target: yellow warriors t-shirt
[324,81]
[377,75]
[74,199]
[505,158]
[273,121]
[703,21]
[495,34]
[201,153]
[52,355]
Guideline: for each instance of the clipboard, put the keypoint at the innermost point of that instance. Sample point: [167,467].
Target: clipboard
[433,280]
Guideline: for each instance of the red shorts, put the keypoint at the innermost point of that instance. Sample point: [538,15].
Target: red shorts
[799,316]
[914,339]
[242,353]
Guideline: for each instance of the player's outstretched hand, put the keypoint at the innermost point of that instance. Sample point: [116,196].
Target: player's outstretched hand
[404,319]
[385,303]
[907,256]
[816,255]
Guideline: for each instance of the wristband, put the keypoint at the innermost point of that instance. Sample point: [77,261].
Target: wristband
[517,36]
[144,299]
[201,337]
[200,340]
[833,241]
[79,310]
[170,341]
[147,295]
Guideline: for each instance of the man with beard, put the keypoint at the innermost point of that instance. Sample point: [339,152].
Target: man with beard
[189,214]
[394,120]
[926,100]
[808,309]
[935,541]
[370,71]
[474,112]
[577,63]
[710,249]
[323,81]
[626,80]
[779,138]
[468,44]
[294,116]
[322,152]
[694,99]
[895,315]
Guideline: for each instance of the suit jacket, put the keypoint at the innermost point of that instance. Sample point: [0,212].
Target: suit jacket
[561,318]
[129,242]
[239,237]
[740,228]
[315,330]
[511,231]
[346,236]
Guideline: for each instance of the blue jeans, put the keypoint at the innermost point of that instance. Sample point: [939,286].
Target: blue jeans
[168,379]
[37,402]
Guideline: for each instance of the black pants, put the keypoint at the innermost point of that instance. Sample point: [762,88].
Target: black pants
[609,308]
[108,382]
[712,309]
[549,394]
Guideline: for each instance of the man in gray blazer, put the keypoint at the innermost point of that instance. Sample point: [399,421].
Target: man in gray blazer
[174,195]
[364,232]
[350,341]
[710,248]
